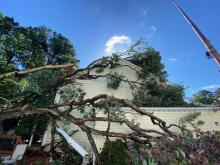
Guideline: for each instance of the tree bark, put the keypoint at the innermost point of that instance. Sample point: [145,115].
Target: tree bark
[15,73]
[17,113]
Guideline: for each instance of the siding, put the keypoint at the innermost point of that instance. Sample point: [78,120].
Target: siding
[169,115]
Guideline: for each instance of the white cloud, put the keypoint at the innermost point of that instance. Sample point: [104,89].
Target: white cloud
[172,59]
[212,86]
[145,11]
[153,30]
[122,39]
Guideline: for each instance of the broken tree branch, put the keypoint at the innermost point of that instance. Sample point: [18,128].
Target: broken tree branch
[20,113]
[16,73]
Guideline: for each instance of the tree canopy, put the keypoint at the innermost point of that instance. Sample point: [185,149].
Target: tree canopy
[155,90]
[205,97]
[149,60]
[154,94]
[24,48]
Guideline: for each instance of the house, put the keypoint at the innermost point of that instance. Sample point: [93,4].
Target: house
[93,87]
[15,149]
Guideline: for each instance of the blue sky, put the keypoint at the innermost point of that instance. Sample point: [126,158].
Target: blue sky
[96,26]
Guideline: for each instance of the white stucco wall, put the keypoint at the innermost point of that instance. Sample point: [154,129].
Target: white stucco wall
[169,115]
[99,86]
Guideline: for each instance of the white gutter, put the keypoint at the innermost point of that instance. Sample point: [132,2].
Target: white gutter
[73,143]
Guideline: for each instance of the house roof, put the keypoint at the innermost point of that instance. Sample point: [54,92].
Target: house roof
[130,64]
[175,109]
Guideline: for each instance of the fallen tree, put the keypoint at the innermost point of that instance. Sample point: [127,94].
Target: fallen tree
[46,65]
[24,108]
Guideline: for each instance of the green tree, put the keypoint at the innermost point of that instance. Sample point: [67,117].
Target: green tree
[203,97]
[155,89]
[24,48]
[217,92]
[117,155]
[153,94]
[29,47]
[7,27]
[149,60]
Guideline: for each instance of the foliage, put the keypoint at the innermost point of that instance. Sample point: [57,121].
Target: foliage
[105,62]
[217,92]
[155,89]
[23,48]
[71,92]
[114,153]
[189,118]
[28,47]
[10,90]
[29,88]
[150,61]
[114,80]
[184,150]
[113,107]
[27,124]
[67,156]
[1,15]
[154,94]
[194,148]
[205,97]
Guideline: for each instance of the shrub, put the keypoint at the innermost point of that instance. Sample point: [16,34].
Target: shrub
[114,153]
[204,150]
